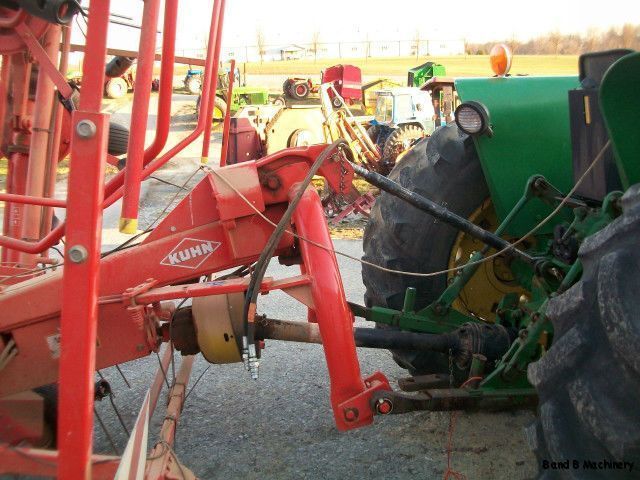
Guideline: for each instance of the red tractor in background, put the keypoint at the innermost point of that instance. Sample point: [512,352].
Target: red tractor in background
[346,79]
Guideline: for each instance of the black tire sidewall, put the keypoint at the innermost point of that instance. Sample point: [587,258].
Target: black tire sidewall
[444,168]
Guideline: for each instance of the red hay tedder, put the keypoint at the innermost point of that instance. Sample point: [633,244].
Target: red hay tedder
[62,322]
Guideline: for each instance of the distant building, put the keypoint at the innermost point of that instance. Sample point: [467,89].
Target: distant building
[292,52]
[350,49]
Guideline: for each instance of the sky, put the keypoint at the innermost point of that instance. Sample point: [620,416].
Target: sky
[287,21]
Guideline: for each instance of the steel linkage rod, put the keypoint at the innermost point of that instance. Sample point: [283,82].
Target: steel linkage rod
[438,211]
[78,323]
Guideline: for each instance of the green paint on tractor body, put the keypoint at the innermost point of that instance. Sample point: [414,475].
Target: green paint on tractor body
[531,146]
[530,121]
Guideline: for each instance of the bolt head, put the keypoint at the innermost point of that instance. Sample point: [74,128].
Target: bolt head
[384,406]
[77,254]
[86,129]
[351,414]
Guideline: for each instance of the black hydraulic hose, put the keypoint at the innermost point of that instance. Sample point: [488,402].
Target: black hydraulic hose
[253,289]
[395,339]
[439,212]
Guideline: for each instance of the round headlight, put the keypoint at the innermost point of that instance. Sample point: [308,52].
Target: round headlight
[472,118]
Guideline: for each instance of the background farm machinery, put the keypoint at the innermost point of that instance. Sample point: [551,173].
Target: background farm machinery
[346,81]
[241,95]
[490,297]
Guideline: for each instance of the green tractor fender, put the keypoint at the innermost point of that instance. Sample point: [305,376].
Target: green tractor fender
[620,104]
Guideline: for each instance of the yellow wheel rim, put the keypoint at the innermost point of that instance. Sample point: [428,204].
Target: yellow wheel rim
[492,280]
[218,114]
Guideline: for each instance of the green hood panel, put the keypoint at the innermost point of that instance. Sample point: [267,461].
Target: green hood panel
[531,135]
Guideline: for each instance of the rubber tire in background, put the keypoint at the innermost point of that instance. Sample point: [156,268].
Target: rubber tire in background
[300,90]
[394,145]
[116,88]
[193,85]
[589,381]
[280,101]
[286,87]
[444,168]
[50,395]
[373,131]
[336,102]
[118,139]
[221,106]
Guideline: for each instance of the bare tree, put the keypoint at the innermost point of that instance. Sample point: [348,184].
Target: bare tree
[261,44]
[629,36]
[591,40]
[513,44]
[315,44]
[554,39]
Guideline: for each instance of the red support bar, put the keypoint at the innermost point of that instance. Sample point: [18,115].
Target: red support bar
[59,111]
[45,61]
[5,69]
[227,116]
[206,140]
[166,80]
[78,322]
[139,116]
[43,463]
[217,287]
[113,189]
[334,317]
[39,151]
[29,200]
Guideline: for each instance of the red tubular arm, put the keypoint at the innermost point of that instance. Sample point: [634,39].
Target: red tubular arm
[206,140]
[227,117]
[166,80]
[139,116]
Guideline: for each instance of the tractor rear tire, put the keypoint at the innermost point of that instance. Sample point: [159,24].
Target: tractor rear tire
[589,381]
[219,109]
[444,168]
[373,131]
[286,88]
[116,88]
[399,141]
[300,90]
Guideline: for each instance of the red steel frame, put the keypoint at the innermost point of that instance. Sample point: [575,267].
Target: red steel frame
[102,312]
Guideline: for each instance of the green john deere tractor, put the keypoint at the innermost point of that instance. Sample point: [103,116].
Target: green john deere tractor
[526,272]
[241,96]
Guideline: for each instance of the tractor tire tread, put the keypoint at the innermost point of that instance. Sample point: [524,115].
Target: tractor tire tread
[589,380]
[446,169]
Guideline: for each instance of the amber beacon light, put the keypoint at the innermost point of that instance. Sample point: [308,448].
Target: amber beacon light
[500,58]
